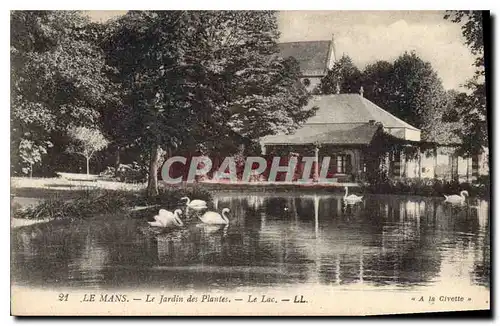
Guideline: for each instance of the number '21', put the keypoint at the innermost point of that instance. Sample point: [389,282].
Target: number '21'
[63,297]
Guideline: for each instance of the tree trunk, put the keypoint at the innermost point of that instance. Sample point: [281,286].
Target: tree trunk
[468,168]
[153,172]
[31,170]
[435,154]
[419,164]
[88,159]
[117,158]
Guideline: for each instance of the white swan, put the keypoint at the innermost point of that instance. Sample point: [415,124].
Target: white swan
[456,198]
[196,204]
[351,198]
[166,219]
[215,218]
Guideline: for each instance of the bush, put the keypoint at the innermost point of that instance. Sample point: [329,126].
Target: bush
[131,173]
[89,204]
[97,202]
[109,174]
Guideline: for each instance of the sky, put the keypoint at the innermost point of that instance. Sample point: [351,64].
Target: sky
[368,36]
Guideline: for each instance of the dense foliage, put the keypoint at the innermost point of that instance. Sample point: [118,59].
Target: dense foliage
[153,82]
[409,88]
[58,80]
[344,77]
[470,108]
[201,81]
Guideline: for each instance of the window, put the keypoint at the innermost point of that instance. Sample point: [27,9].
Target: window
[342,163]
[306,82]
[395,163]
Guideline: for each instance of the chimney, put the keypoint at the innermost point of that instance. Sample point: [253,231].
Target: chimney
[361,91]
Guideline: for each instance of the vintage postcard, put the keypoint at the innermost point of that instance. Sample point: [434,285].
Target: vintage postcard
[264,163]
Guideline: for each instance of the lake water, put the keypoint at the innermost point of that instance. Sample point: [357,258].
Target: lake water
[272,240]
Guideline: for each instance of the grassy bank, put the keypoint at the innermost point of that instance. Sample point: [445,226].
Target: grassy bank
[62,199]
[88,203]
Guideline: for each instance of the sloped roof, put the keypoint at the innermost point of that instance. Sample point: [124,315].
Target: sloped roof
[311,55]
[340,119]
[339,134]
[352,108]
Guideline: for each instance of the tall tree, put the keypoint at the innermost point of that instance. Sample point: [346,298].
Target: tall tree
[472,25]
[446,121]
[418,91]
[378,84]
[471,106]
[57,79]
[194,78]
[410,89]
[344,77]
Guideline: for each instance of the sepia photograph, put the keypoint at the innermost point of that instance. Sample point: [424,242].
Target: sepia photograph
[249,162]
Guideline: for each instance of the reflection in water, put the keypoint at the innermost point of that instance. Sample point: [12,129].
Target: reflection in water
[271,240]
